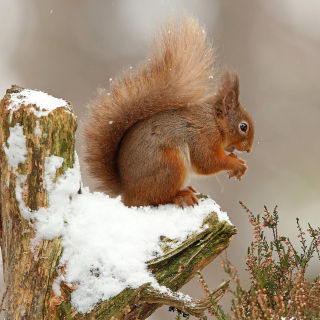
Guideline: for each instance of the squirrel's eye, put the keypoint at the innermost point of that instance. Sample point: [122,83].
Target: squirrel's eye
[243,127]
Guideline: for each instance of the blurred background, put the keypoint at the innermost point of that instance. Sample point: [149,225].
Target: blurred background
[69,48]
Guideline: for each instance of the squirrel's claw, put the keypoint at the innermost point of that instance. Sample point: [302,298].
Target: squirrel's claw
[233,173]
[179,201]
[239,168]
[186,196]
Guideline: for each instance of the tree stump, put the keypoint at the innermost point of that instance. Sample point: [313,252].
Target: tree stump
[30,269]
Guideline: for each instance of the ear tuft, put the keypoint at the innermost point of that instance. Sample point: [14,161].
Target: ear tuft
[229,101]
[227,96]
[236,85]
[226,80]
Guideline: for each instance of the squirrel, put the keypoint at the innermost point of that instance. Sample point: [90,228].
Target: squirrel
[167,120]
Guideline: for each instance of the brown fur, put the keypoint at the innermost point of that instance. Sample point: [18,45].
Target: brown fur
[176,75]
[164,120]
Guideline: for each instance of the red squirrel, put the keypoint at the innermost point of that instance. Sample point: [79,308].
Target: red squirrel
[166,120]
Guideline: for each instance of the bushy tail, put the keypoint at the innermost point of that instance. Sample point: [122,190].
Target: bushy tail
[177,74]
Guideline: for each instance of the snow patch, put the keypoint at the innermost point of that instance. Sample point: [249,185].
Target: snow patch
[37,130]
[44,103]
[17,151]
[56,287]
[51,164]
[21,188]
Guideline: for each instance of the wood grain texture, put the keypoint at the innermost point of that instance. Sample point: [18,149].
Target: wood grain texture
[28,269]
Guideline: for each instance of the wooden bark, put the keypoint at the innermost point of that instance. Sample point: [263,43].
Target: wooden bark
[29,271]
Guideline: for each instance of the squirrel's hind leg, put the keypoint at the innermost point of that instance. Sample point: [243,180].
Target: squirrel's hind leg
[161,184]
[178,164]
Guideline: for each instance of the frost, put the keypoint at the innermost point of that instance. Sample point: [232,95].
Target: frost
[180,296]
[44,103]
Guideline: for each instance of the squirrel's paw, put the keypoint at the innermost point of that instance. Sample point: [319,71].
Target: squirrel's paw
[239,169]
[233,155]
[186,196]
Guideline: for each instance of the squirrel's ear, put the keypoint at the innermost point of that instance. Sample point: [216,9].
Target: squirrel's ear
[226,80]
[236,85]
[229,102]
[230,81]
[228,93]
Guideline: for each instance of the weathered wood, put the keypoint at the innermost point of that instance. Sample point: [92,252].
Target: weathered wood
[29,270]
[195,307]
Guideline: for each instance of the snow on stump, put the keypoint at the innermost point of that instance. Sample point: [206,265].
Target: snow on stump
[72,254]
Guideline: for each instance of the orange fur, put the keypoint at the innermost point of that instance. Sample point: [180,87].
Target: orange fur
[147,191]
[175,75]
[164,120]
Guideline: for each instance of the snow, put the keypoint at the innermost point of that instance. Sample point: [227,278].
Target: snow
[37,130]
[21,188]
[44,103]
[106,245]
[17,151]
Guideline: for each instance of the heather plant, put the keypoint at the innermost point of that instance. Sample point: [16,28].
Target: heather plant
[279,288]
[278,285]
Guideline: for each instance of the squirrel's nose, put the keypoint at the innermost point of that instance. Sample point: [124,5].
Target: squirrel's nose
[249,150]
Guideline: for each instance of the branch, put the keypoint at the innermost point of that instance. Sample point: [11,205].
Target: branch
[195,307]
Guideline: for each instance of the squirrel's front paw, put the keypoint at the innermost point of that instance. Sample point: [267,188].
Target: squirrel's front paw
[239,168]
